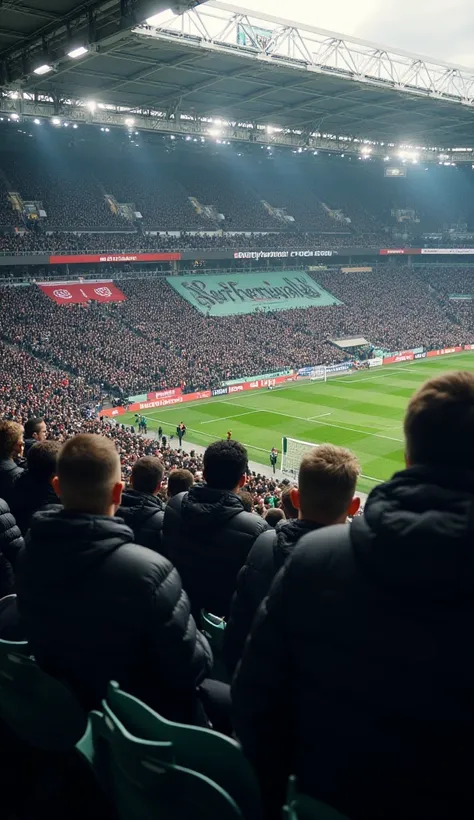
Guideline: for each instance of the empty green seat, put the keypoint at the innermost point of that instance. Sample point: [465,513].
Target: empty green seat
[213,628]
[145,781]
[201,750]
[38,708]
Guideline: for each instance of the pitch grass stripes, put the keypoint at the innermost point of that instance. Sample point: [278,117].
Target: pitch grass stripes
[363,412]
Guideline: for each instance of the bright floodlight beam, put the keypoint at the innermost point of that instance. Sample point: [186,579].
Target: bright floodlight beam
[129,121]
[45,68]
[91,105]
[156,20]
[77,52]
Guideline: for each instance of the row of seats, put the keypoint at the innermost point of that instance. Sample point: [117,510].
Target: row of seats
[148,767]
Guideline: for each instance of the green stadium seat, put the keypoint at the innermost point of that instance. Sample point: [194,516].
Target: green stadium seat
[36,707]
[214,756]
[213,628]
[302,807]
[146,783]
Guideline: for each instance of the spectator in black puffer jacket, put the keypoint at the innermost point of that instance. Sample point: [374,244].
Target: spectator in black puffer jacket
[11,543]
[34,490]
[97,607]
[358,676]
[207,533]
[141,509]
[327,481]
[11,448]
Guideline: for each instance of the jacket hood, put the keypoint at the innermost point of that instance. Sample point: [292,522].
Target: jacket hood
[288,533]
[417,532]
[63,545]
[138,507]
[202,504]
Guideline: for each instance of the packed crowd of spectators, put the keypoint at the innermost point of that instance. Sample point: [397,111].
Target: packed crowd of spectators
[155,339]
[69,405]
[38,242]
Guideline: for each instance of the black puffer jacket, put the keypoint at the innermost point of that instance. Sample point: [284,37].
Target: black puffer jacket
[28,495]
[10,544]
[144,514]
[265,559]
[359,672]
[97,607]
[207,535]
[9,473]
[11,540]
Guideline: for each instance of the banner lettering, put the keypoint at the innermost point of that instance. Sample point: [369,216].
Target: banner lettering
[225,295]
[117,257]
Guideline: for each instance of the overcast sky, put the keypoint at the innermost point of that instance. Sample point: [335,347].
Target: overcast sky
[434,28]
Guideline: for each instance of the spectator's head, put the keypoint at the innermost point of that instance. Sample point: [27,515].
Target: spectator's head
[273,516]
[246,499]
[42,460]
[147,475]
[35,428]
[11,440]
[287,505]
[89,475]
[225,465]
[439,422]
[327,481]
[179,481]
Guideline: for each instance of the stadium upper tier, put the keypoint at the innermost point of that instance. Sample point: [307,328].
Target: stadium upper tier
[155,339]
[63,181]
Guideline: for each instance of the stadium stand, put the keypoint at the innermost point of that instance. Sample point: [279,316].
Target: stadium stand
[67,364]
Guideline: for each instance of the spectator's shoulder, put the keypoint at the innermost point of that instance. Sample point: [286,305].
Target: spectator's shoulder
[327,550]
[250,524]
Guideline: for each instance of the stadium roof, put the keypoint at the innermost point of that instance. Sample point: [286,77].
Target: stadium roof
[218,60]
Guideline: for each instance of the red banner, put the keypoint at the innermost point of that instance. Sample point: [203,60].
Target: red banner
[398,251]
[69,293]
[115,257]
[444,351]
[406,356]
[165,394]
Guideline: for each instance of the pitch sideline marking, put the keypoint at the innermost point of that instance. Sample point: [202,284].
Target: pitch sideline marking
[313,418]
[236,416]
[301,418]
[326,423]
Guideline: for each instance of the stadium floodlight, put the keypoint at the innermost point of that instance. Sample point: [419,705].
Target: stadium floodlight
[214,132]
[409,154]
[37,121]
[15,116]
[91,105]
[77,52]
[56,121]
[366,150]
[45,68]
[130,122]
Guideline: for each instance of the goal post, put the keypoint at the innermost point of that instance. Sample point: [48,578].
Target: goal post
[292,451]
[314,374]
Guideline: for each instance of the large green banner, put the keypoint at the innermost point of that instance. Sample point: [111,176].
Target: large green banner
[251,292]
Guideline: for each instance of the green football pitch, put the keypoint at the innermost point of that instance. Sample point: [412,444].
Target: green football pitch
[363,411]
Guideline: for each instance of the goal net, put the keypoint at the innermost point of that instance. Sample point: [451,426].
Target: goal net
[292,451]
